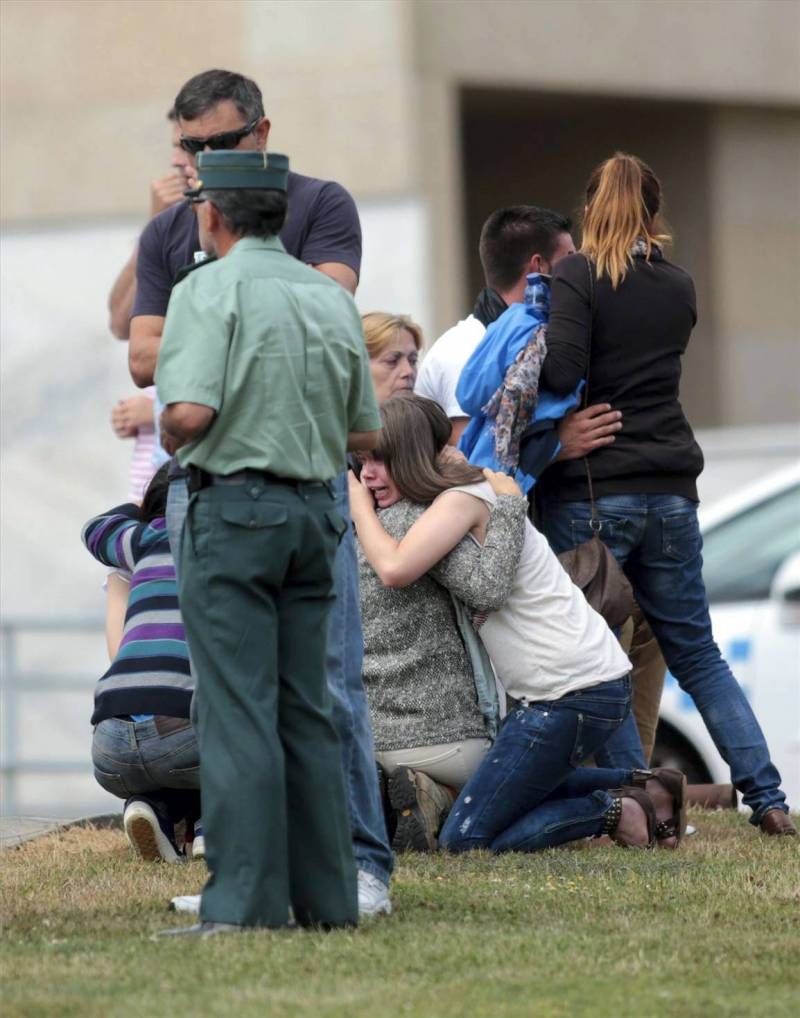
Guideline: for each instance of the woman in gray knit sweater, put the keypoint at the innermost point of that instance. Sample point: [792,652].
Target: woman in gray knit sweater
[430,734]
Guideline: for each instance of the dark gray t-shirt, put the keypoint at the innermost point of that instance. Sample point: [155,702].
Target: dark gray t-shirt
[321,225]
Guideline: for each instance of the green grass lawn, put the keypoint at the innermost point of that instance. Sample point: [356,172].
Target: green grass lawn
[711,930]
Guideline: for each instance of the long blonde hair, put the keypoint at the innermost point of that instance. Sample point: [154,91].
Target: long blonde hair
[623,204]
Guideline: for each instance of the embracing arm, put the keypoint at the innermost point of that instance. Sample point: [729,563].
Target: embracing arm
[436,532]
[482,576]
[118,538]
[583,431]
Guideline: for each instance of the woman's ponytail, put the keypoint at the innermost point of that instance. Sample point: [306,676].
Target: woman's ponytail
[623,200]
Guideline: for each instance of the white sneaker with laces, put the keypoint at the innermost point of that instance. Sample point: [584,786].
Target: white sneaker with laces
[373,896]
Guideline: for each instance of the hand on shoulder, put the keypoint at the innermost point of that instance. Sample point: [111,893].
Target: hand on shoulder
[501,484]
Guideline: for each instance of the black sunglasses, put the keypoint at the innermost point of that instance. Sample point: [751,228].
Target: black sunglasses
[224,140]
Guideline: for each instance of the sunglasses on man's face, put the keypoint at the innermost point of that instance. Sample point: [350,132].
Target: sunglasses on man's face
[216,142]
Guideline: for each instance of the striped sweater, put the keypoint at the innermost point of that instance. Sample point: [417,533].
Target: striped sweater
[150,673]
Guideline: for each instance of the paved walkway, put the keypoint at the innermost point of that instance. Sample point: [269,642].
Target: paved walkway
[15,831]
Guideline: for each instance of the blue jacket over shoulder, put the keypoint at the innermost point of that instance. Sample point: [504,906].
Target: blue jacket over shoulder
[485,372]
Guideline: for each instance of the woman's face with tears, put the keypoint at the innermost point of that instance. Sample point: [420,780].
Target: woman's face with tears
[378,481]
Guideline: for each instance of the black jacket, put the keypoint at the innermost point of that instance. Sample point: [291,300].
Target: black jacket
[638,334]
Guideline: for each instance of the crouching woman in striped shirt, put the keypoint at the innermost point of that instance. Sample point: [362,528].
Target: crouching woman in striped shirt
[144,748]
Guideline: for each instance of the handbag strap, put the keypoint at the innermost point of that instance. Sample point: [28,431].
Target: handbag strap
[595,524]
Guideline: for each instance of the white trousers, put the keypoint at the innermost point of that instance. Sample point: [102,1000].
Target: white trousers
[449,763]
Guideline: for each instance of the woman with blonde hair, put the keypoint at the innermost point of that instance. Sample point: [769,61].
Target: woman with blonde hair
[621,317]
[394,343]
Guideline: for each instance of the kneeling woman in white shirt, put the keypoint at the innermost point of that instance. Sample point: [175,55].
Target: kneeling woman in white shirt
[555,655]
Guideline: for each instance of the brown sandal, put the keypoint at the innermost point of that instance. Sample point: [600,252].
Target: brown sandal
[674,782]
[614,814]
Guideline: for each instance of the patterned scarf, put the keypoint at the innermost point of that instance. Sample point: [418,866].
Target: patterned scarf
[513,405]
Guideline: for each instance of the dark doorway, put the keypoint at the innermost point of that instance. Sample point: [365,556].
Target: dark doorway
[535,148]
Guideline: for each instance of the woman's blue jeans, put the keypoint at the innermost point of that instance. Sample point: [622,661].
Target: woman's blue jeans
[157,759]
[656,539]
[530,792]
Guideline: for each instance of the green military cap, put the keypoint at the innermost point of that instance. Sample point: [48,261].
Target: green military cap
[227,170]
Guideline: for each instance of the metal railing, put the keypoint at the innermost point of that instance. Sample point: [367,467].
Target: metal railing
[16,683]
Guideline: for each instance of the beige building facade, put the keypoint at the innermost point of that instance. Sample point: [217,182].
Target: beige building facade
[441,110]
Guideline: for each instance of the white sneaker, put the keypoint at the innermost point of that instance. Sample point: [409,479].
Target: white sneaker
[373,898]
[186,903]
[150,835]
[373,895]
[199,842]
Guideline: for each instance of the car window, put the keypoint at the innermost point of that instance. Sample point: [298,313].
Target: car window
[742,555]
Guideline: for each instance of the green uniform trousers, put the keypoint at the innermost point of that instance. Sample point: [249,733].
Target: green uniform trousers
[255,591]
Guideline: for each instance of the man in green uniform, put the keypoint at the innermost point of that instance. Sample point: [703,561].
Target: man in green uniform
[264,374]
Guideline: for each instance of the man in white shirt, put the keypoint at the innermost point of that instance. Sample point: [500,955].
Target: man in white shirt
[514,241]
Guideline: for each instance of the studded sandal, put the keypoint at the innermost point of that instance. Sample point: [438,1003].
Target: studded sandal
[674,782]
[614,814]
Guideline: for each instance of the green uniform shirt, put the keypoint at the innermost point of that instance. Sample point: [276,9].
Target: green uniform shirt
[277,350]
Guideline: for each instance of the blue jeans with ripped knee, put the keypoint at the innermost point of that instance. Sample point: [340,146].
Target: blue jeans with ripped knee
[530,792]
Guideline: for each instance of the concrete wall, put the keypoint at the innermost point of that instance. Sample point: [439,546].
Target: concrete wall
[725,50]
[733,52]
[755,213]
[83,109]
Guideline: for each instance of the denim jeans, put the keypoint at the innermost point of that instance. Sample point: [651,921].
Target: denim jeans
[530,792]
[656,539]
[343,666]
[177,504]
[350,711]
[133,758]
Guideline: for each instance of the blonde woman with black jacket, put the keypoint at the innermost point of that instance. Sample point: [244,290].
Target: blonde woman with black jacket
[622,315]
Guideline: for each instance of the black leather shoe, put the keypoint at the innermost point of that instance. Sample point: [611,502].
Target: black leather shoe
[775,823]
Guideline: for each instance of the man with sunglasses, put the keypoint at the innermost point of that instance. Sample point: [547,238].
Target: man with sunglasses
[218,110]
[223,110]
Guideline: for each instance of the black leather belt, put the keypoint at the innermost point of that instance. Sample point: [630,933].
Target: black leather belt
[199,479]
